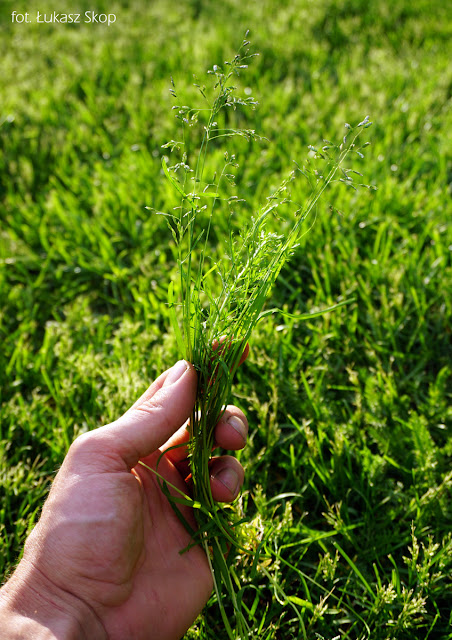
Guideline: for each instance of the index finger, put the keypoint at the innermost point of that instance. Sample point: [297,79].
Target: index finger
[220,343]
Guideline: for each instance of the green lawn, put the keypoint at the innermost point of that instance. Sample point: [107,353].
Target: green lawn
[349,458]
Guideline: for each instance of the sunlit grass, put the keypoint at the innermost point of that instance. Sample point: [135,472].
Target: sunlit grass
[348,463]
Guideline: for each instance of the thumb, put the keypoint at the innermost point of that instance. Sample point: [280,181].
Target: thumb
[163,408]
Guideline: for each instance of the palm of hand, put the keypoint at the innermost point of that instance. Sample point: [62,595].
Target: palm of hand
[108,542]
[124,551]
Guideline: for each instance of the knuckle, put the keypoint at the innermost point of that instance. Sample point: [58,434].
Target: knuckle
[82,444]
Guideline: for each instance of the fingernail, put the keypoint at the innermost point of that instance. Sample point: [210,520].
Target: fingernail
[229,478]
[238,425]
[175,373]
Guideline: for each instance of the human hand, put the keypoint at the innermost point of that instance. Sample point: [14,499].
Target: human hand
[104,559]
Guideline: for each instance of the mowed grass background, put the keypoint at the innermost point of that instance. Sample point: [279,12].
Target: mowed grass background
[349,462]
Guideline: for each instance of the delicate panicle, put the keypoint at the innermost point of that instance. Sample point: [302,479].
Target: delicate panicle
[220,303]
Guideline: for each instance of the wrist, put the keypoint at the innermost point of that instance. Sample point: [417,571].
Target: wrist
[31,606]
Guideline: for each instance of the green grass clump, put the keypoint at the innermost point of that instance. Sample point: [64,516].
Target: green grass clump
[221,302]
[349,453]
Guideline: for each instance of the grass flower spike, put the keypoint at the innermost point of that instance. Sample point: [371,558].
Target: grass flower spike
[215,307]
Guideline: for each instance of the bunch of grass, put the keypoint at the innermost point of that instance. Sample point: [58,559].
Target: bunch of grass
[212,327]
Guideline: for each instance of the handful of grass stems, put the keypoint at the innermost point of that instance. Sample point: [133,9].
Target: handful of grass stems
[212,328]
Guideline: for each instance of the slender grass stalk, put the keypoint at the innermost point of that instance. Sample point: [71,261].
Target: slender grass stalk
[213,329]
